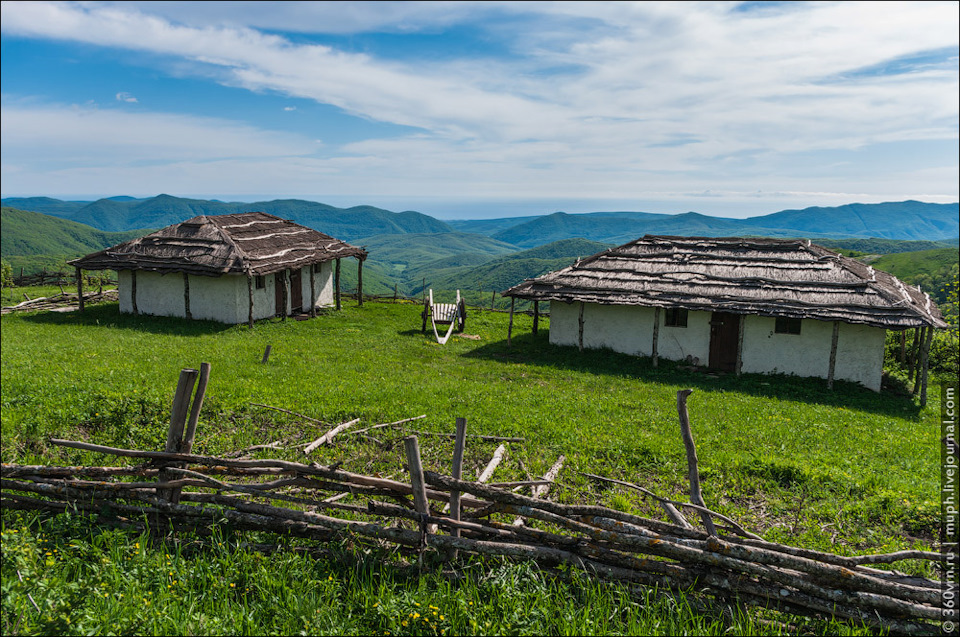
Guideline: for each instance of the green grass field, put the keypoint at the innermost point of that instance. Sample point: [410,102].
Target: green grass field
[848,471]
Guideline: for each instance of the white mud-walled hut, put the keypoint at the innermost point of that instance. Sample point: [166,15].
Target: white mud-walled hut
[228,268]
[734,304]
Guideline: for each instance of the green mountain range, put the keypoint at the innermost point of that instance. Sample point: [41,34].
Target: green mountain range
[31,233]
[125,213]
[412,251]
[906,220]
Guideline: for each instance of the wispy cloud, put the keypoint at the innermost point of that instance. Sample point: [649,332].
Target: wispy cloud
[608,98]
[126,97]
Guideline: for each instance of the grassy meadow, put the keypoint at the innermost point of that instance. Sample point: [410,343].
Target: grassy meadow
[848,471]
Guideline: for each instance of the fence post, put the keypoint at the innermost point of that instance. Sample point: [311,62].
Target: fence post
[178,418]
[457,474]
[80,288]
[412,447]
[696,496]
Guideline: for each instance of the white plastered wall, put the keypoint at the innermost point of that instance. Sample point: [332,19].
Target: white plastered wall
[225,299]
[222,299]
[629,329]
[322,285]
[859,350]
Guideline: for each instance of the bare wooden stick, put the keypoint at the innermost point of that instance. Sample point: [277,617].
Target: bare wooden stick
[477,436]
[696,496]
[412,447]
[457,472]
[737,527]
[186,445]
[178,419]
[492,465]
[292,413]
[285,465]
[327,437]
[707,561]
[386,424]
[520,483]
[541,490]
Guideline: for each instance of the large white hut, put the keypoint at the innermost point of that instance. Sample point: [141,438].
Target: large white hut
[229,268]
[734,304]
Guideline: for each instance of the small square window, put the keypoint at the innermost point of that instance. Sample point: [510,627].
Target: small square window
[317,268]
[675,317]
[260,282]
[787,326]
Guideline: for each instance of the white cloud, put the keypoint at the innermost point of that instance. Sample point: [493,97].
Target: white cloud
[79,135]
[609,98]
[126,97]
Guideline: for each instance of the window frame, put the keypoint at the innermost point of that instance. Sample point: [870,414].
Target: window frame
[676,317]
[787,325]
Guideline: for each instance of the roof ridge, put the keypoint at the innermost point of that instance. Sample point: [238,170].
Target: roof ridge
[243,255]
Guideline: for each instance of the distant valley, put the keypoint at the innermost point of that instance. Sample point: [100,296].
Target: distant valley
[410,250]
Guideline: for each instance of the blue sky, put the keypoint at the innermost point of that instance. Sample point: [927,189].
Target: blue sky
[484,109]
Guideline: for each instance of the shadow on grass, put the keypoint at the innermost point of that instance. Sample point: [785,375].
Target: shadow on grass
[536,350]
[109,315]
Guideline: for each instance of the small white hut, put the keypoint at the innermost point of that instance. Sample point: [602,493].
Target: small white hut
[734,304]
[228,268]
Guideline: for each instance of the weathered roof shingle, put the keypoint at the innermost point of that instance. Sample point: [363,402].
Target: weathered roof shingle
[770,277]
[253,243]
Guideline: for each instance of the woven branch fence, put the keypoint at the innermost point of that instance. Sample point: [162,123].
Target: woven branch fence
[435,512]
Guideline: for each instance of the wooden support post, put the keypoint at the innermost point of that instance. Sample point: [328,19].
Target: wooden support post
[360,282]
[457,473]
[336,283]
[394,292]
[738,366]
[912,355]
[510,324]
[536,316]
[313,293]
[918,365]
[412,448]
[696,496]
[903,346]
[133,291]
[493,298]
[655,354]
[833,354]
[285,293]
[266,355]
[250,300]
[186,296]
[580,327]
[925,366]
[80,288]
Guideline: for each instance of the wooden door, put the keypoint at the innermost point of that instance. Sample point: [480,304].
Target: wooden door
[296,291]
[724,337]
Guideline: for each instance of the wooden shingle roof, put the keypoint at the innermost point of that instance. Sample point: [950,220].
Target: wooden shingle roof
[253,243]
[769,277]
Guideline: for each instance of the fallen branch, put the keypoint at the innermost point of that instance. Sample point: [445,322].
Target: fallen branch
[292,413]
[327,437]
[736,527]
